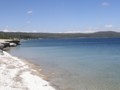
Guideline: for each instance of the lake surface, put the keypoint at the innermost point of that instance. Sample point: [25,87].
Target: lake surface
[76,64]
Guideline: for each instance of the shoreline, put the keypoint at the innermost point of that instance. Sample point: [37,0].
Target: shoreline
[21,75]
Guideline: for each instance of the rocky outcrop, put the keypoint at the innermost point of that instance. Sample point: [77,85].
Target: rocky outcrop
[4,45]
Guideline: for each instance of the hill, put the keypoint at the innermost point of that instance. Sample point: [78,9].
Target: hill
[23,35]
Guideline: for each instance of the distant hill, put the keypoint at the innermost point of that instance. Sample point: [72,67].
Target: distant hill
[23,35]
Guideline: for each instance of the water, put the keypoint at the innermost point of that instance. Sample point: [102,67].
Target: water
[76,64]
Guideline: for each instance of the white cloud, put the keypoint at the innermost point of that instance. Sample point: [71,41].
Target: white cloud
[105,4]
[5,30]
[108,26]
[72,31]
[91,30]
[34,31]
[29,12]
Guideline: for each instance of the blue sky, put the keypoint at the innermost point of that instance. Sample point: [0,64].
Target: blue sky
[59,15]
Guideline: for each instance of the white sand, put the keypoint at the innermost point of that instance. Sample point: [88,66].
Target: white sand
[17,75]
[3,40]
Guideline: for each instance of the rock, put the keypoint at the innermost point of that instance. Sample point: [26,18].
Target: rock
[13,44]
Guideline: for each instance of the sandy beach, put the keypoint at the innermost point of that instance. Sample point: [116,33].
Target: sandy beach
[3,40]
[15,74]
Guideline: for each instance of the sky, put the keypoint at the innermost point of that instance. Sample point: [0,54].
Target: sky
[59,16]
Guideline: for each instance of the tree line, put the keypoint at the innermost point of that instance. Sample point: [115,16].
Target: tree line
[24,35]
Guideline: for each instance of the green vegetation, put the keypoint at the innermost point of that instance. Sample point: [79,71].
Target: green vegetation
[23,35]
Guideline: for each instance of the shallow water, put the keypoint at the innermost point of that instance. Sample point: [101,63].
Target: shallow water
[76,64]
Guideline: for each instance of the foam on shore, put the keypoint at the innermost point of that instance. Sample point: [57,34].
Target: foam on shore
[17,75]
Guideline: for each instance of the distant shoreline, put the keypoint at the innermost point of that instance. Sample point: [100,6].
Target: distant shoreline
[42,35]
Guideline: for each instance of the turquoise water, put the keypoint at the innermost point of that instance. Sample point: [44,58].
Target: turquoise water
[76,64]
